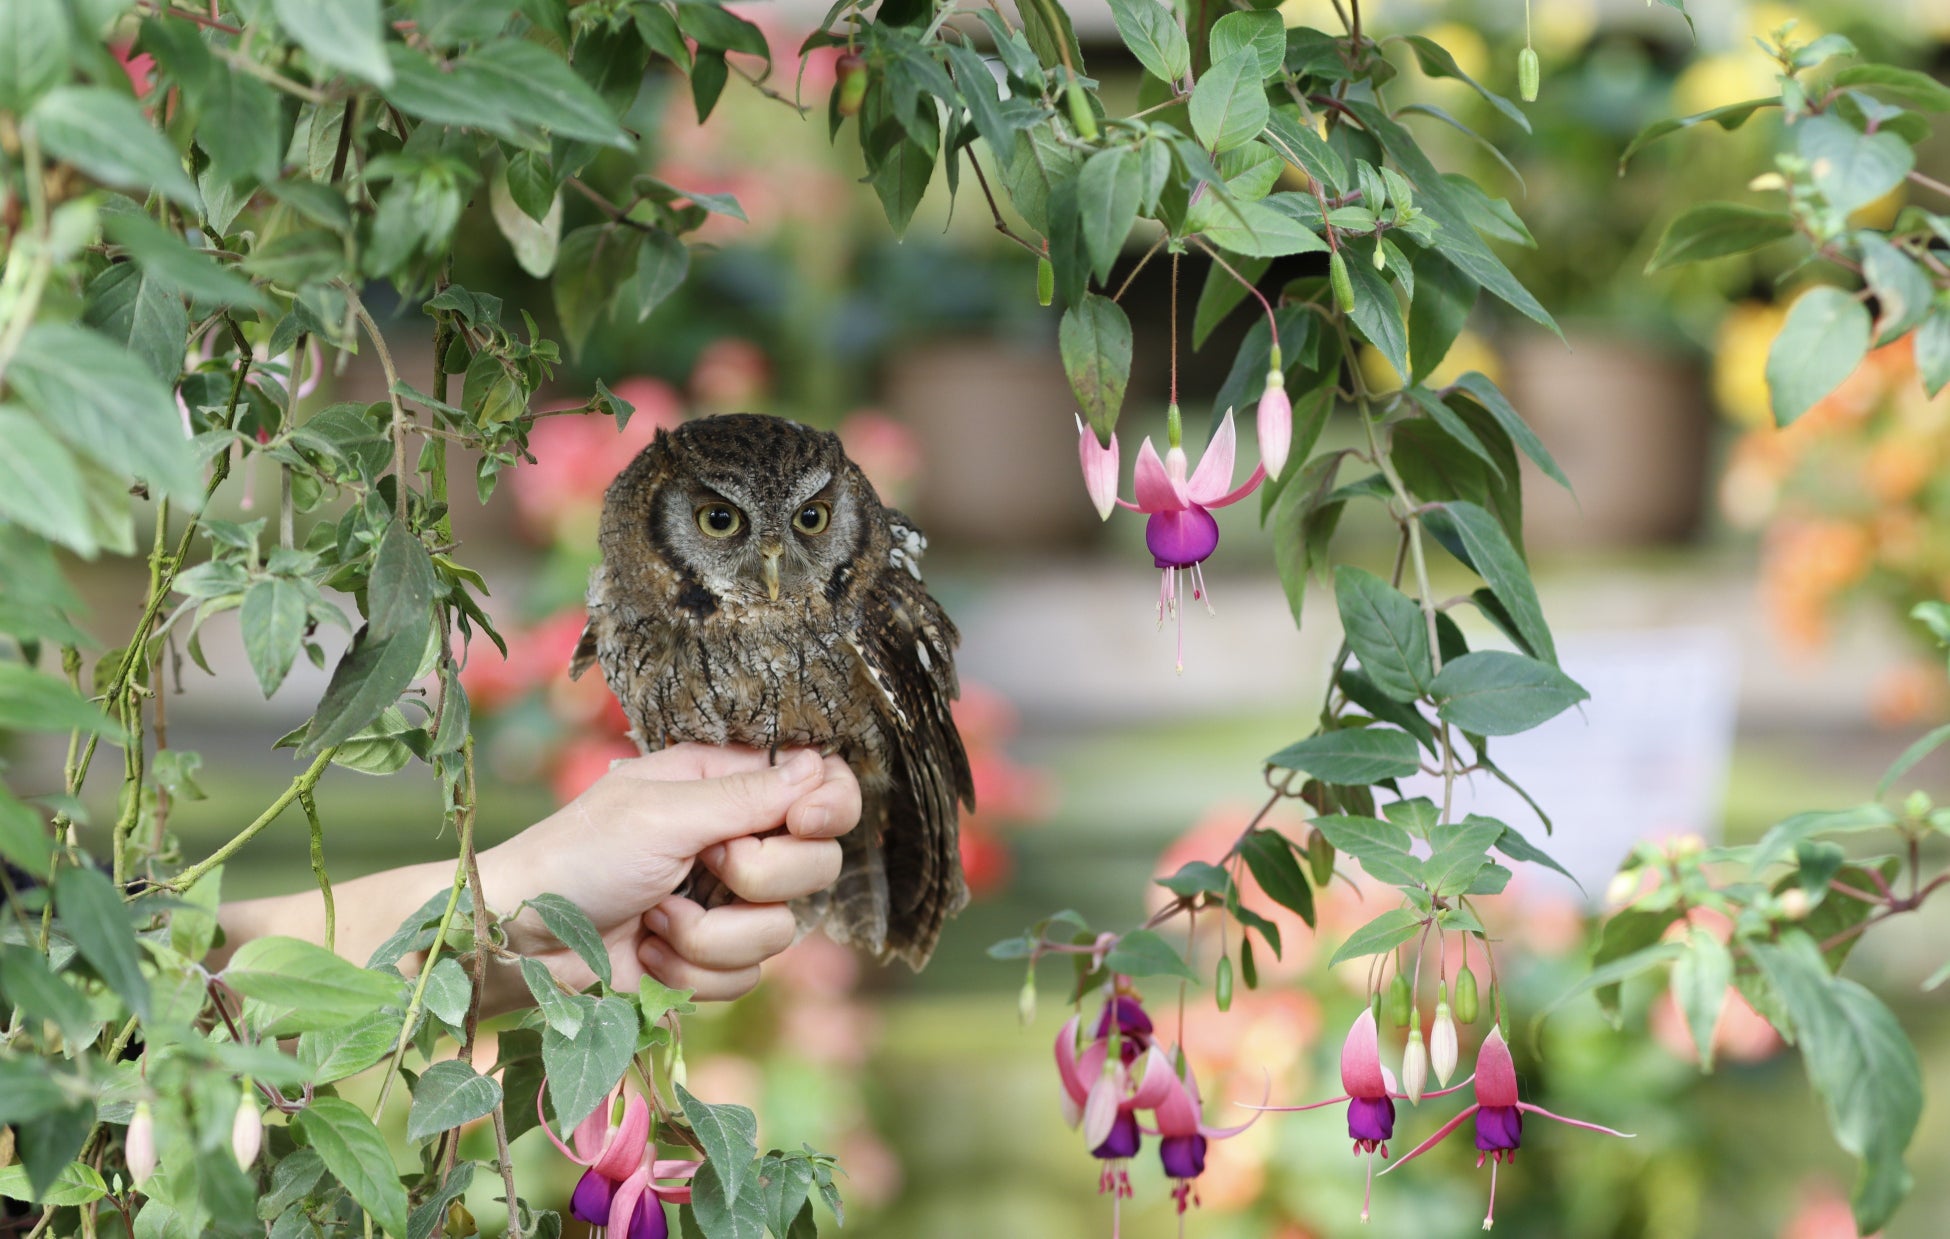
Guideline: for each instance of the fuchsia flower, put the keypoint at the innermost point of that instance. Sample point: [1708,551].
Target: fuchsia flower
[1499,1115]
[618,1190]
[1182,1130]
[1275,422]
[1098,1093]
[1370,1096]
[1181,532]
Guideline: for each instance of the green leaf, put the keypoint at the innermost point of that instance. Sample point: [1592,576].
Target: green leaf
[1475,537]
[572,927]
[94,915]
[1700,979]
[1387,632]
[1154,37]
[1228,106]
[141,313]
[178,266]
[1437,62]
[978,90]
[449,1093]
[1307,149]
[356,1156]
[1270,856]
[1859,1061]
[1919,90]
[450,992]
[334,1053]
[1717,230]
[1496,693]
[1197,877]
[1107,197]
[368,679]
[1513,844]
[901,180]
[1485,393]
[1377,315]
[30,701]
[40,486]
[1933,349]
[342,34]
[321,989]
[1383,933]
[106,404]
[399,595]
[1095,339]
[1262,230]
[583,1069]
[1917,751]
[106,136]
[1221,294]
[34,51]
[1260,31]
[1352,755]
[1821,343]
[23,835]
[42,995]
[1729,117]
[239,126]
[1852,168]
[591,266]
[565,1013]
[273,619]
[715,27]
[1143,953]
[79,1184]
[1780,840]
[1903,293]
[726,1196]
[536,86]
[1608,976]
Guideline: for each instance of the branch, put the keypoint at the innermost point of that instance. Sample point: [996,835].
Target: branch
[300,786]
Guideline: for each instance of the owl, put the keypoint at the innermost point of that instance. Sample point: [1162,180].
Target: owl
[753,590]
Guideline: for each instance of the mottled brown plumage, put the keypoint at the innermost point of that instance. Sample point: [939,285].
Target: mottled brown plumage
[753,590]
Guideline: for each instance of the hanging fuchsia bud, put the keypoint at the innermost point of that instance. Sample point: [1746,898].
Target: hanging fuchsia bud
[246,1132]
[850,76]
[1415,1068]
[1442,1042]
[140,1148]
[1529,75]
[1466,996]
[1275,421]
[1100,466]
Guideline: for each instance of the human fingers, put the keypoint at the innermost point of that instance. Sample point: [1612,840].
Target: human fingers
[735,935]
[706,984]
[685,816]
[830,809]
[775,868]
[701,761]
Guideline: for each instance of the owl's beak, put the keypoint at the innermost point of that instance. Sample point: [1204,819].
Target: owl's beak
[771,555]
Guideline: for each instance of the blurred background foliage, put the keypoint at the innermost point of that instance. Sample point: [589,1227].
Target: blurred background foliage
[1803,547]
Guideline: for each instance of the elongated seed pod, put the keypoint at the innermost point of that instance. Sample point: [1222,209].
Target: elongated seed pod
[1081,116]
[1222,983]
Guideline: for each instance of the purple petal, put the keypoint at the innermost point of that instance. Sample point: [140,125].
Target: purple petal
[1181,539]
[1123,1140]
[590,1203]
[649,1222]
[1132,1019]
[1371,1118]
[1498,1127]
[1183,1156]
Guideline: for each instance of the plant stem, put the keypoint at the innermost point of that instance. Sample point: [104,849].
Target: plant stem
[300,786]
[310,807]
[392,394]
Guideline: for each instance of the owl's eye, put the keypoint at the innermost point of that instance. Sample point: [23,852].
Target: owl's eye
[719,520]
[813,518]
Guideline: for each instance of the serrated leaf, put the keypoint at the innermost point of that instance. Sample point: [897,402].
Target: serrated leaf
[1381,847]
[572,928]
[139,312]
[729,1136]
[1387,632]
[34,52]
[320,989]
[1262,230]
[41,488]
[1383,933]
[1262,31]
[107,405]
[1496,693]
[1228,106]
[536,86]
[180,267]
[1154,37]
[1820,344]
[356,1156]
[449,1093]
[368,679]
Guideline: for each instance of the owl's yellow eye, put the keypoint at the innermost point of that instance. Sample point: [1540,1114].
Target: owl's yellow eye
[719,520]
[813,518]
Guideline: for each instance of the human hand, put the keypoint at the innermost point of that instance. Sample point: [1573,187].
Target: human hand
[621,849]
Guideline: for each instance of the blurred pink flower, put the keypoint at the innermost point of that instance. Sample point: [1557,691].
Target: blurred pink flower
[560,496]
[731,375]
[1822,1213]
[583,762]
[886,451]
[1742,1035]
[819,967]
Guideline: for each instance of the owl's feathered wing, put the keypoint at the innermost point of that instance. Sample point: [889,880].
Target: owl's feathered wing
[903,878]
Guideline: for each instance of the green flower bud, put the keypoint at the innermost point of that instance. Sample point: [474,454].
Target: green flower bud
[1401,1005]
[1320,859]
[1081,116]
[1917,805]
[1529,74]
[1465,1006]
[1248,967]
[852,85]
[1045,281]
[1026,1000]
[1222,984]
[1343,283]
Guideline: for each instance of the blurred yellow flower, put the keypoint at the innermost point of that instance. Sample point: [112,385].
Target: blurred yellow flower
[1561,27]
[1469,352]
[1880,213]
[1723,78]
[1740,362]
[1472,54]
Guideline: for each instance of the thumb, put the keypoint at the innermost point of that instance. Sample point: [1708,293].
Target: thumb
[697,813]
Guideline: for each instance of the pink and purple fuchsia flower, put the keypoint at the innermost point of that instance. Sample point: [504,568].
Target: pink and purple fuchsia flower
[1177,500]
[1499,1115]
[1098,1092]
[1183,1133]
[618,1192]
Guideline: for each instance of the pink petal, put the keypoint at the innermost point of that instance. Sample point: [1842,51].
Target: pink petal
[623,1204]
[1214,473]
[1361,1059]
[1275,429]
[1524,1105]
[548,1131]
[1221,1133]
[1155,489]
[1159,1080]
[1177,1110]
[1436,1139]
[627,1143]
[1100,1108]
[1074,1086]
[1245,488]
[675,1195]
[1496,1075]
[1312,1105]
[1100,466]
[673,1170]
